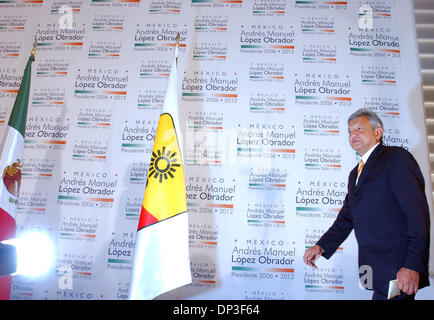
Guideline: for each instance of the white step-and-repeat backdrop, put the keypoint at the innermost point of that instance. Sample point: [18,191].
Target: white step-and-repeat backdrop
[265,88]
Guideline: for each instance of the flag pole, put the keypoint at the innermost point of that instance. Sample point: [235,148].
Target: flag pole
[178,36]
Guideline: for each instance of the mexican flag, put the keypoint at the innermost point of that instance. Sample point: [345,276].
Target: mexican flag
[161,260]
[11,159]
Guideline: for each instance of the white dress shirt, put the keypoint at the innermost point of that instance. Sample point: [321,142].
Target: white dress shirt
[365,157]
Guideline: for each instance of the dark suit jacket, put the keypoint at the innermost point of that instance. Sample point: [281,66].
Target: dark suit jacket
[389,213]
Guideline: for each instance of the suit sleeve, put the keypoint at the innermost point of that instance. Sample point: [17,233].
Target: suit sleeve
[338,232]
[408,186]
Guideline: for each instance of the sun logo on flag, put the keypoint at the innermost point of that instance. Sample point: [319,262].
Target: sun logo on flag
[163,165]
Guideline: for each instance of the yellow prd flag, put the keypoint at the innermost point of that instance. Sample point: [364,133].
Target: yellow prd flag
[165,194]
[161,259]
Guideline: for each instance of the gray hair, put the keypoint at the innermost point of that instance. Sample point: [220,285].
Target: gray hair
[374,119]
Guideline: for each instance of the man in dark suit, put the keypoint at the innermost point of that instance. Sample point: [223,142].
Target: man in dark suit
[387,208]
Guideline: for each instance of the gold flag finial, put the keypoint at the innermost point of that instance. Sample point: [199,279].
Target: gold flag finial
[178,36]
[35,44]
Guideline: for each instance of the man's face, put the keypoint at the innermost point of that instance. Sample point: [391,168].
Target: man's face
[362,135]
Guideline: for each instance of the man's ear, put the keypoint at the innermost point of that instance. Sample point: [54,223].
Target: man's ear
[378,133]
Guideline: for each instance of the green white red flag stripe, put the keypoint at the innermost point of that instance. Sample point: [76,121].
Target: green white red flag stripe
[11,155]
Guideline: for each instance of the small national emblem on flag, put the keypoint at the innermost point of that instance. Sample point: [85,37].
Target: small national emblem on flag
[12,178]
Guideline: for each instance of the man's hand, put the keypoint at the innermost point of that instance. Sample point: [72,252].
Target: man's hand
[312,254]
[408,280]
